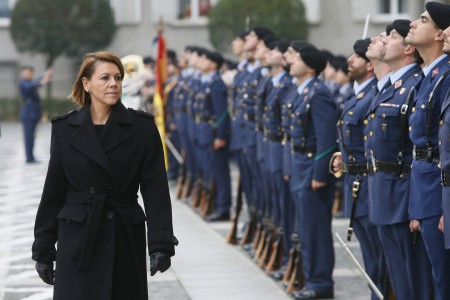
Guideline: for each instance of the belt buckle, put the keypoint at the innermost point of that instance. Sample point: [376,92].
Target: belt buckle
[404,109]
[355,189]
[374,164]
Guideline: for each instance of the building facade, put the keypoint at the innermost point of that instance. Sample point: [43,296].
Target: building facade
[334,25]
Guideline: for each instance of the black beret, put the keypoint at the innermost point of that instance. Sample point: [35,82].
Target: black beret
[339,62]
[269,39]
[327,54]
[401,26]
[313,58]
[297,45]
[440,13]
[171,55]
[261,32]
[389,29]
[242,35]
[148,60]
[281,45]
[214,56]
[199,50]
[188,48]
[360,47]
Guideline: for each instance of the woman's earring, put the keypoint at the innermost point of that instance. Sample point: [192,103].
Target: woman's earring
[89,91]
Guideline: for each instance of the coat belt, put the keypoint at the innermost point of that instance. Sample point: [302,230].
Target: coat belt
[94,217]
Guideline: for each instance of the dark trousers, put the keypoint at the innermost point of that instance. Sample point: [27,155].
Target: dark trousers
[314,227]
[29,131]
[437,254]
[407,263]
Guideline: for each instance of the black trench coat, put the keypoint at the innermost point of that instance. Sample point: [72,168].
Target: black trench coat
[89,205]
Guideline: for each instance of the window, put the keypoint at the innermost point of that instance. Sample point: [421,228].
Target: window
[5,11]
[127,11]
[192,9]
[392,7]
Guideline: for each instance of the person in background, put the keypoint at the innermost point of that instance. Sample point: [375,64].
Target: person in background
[31,110]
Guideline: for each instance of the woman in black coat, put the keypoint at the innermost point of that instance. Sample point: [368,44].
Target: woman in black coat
[101,155]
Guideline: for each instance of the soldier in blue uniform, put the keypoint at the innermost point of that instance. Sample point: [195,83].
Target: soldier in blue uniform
[444,151]
[212,134]
[425,203]
[193,84]
[281,83]
[389,153]
[351,137]
[263,89]
[313,140]
[31,110]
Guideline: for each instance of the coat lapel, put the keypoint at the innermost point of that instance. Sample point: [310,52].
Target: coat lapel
[114,133]
[85,138]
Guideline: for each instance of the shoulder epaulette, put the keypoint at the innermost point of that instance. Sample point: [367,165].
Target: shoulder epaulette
[63,117]
[141,113]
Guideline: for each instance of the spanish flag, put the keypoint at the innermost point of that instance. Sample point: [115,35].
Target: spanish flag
[158,98]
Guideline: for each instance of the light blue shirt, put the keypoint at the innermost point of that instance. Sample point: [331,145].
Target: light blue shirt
[382,82]
[428,69]
[208,77]
[363,85]
[400,72]
[253,67]
[303,85]
[277,78]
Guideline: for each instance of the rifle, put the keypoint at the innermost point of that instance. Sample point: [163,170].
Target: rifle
[207,200]
[197,193]
[187,186]
[180,181]
[297,279]
[249,232]
[262,241]
[277,252]
[293,253]
[231,236]
[267,252]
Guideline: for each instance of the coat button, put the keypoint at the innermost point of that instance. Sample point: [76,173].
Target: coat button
[109,215]
[92,190]
[441,122]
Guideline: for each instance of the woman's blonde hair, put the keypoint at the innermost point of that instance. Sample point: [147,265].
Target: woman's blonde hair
[79,95]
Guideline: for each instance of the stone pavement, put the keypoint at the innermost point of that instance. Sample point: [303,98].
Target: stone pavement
[205,267]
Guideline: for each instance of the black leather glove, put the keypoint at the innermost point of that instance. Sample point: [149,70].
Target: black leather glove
[46,272]
[159,261]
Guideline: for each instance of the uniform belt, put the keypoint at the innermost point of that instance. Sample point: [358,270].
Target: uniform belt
[353,168]
[199,119]
[275,137]
[425,154]
[302,149]
[381,166]
[249,117]
[94,217]
[445,178]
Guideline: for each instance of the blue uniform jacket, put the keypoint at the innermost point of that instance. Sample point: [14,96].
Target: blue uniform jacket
[426,191]
[444,151]
[31,110]
[352,124]
[210,111]
[272,120]
[389,192]
[320,137]
[262,90]
[237,115]
[286,111]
